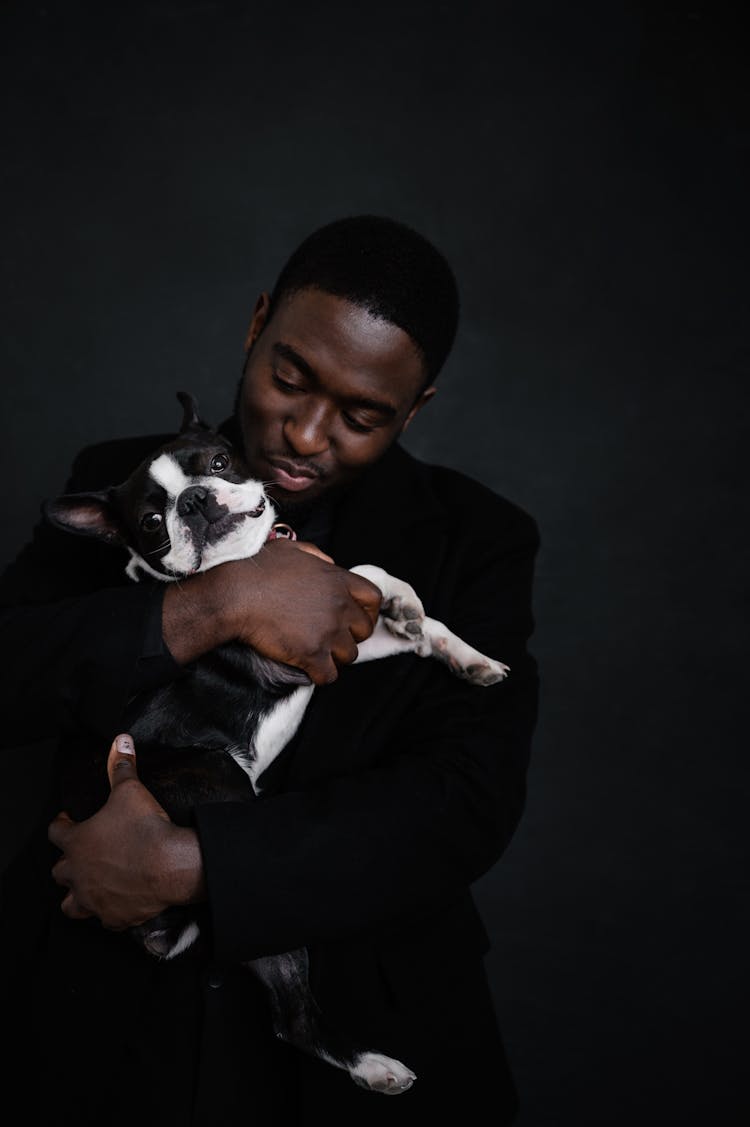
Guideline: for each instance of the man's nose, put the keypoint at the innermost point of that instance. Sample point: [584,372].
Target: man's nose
[307,429]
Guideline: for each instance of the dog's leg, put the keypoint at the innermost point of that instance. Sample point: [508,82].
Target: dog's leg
[296,1020]
[403,627]
[461,658]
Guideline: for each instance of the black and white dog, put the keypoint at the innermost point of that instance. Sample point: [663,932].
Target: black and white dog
[209,735]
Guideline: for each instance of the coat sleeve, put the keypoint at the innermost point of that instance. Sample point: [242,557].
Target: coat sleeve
[360,852]
[77,636]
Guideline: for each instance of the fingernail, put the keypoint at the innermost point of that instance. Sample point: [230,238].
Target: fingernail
[124,745]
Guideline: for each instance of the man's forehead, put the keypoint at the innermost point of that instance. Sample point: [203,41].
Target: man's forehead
[326,335]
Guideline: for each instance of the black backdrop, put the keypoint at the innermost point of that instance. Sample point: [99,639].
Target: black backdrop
[584,168]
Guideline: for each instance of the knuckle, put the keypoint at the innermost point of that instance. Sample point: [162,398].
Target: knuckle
[123,766]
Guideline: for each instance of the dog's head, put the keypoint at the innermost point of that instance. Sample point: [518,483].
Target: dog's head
[190,505]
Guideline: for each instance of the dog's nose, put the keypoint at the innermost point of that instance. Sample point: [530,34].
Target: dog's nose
[191,500]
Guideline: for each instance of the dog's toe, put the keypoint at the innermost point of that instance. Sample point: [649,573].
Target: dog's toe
[486,672]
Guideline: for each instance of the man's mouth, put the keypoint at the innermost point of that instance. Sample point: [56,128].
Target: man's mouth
[292,476]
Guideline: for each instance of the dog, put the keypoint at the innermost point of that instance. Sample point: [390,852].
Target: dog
[210,735]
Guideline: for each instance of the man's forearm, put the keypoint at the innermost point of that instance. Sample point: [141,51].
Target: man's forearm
[286,602]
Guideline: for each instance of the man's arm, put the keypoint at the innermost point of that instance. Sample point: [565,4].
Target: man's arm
[407,834]
[289,602]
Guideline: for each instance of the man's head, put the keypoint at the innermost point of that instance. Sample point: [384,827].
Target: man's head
[343,353]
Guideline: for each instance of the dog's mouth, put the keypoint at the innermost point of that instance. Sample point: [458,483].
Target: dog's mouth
[216,530]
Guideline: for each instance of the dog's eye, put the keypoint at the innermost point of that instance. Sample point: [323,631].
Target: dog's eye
[219,462]
[151,522]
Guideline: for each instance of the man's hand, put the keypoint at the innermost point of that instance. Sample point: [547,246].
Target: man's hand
[290,602]
[128,862]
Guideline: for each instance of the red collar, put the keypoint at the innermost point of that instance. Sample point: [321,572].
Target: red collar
[282,531]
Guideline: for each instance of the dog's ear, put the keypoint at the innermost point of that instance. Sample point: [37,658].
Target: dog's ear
[87,514]
[191,420]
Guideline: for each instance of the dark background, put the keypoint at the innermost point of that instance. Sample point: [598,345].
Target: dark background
[584,167]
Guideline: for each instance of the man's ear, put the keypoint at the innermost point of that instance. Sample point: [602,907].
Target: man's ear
[260,316]
[423,397]
[87,514]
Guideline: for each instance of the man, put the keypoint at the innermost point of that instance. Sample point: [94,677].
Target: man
[402,787]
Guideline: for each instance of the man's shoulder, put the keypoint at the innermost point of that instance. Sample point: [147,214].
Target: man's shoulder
[462,496]
[110,462]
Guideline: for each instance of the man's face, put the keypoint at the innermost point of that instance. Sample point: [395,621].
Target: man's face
[327,388]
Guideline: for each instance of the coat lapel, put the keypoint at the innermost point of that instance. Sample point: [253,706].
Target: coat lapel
[392,519]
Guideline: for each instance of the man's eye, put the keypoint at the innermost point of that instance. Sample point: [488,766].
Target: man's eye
[219,462]
[355,424]
[285,384]
[151,522]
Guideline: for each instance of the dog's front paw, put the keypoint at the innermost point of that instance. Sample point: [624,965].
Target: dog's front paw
[382,1074]
[401,608]
[404,615]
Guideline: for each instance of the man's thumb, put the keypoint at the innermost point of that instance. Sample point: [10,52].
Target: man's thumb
[121,760]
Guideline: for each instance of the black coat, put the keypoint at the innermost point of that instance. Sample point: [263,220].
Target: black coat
[402,787]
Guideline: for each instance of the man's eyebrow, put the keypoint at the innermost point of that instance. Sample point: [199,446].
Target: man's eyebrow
[286,352]
[373,405]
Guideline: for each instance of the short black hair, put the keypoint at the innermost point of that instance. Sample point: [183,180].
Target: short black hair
[386,268]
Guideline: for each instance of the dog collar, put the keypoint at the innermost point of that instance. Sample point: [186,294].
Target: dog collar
[282,531]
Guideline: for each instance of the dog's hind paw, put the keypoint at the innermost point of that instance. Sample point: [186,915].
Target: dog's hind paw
[379,1073]
[486,672]
[464,661]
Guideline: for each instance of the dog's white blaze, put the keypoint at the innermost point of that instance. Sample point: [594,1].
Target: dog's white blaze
[275,731]
[168,473]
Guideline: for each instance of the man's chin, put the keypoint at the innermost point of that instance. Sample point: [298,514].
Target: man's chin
[299,506]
